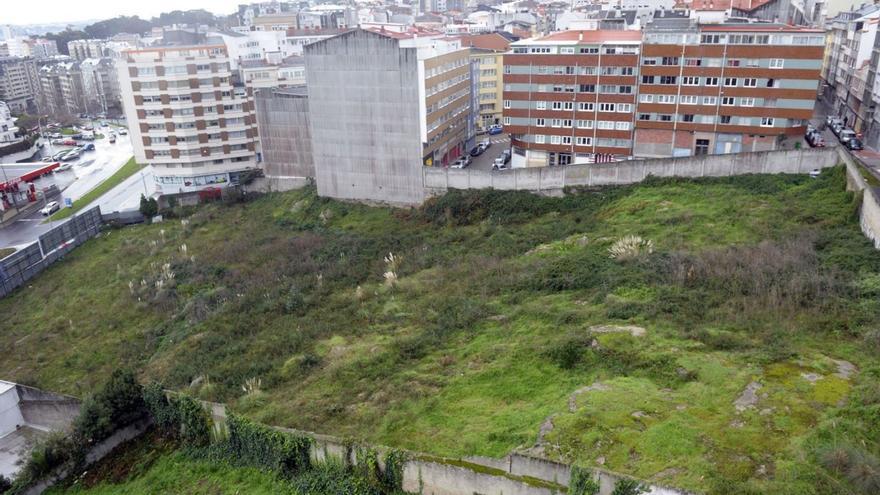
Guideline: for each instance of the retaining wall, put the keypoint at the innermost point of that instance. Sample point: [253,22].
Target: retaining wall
[869,213]
[552,180]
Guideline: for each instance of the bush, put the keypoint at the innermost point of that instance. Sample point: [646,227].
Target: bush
[582,482]
[118,404]
[859,467]
[262,447]
[149,207]
[627,486]
[570,352]
[179,416]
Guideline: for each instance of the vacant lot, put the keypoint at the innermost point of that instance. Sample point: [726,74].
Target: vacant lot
[730,347]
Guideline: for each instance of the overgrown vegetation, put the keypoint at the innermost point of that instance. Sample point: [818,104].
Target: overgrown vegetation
[727,351]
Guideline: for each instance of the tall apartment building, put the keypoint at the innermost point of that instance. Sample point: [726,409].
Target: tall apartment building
[62,89]
[487,51]
[187,118]
[570,96]
[19,84]
[382,105]
[726,88]
[677,91]
[101,85]
[83,49]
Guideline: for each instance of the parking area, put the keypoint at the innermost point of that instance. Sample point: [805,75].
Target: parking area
[499,143]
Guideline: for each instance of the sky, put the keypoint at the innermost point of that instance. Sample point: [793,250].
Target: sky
[19,12]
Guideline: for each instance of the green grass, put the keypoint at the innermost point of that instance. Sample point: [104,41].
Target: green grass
[487,332]
[130,168]
[4,252]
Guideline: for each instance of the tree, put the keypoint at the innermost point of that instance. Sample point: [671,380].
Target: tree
[149,207]
[628,486]
[121,24]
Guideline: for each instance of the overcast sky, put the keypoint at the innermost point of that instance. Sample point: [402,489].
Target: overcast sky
[53,11]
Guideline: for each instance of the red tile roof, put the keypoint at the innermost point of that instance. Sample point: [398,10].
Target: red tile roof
[492,41]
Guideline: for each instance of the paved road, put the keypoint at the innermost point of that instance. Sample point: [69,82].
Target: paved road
[500,142]
[87,172]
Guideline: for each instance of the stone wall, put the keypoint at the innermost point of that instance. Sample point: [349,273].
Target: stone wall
[551,180]
[869,213]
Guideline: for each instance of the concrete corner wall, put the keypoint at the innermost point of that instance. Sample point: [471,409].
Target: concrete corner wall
[869,212]
[285,137]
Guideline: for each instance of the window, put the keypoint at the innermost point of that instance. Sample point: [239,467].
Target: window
[766,121]
[621,125]
[506,103]
[606,107]
[710,81]
[771,83]
[506,120]
[725,119]
[728,101]
[644,116]
[556,123]
[647,79]
[730,81]
[667,79]
[540,123]
[666,118]
[584,141]
[733,62]
[693,62]
[668,99]
[605,125]
[750,82]
[589,50]
[710,100]
[557,105]
[555,139]
[669,61]
[625,90]
[776,63]
[585,124]
[690,81]
[701,147]
[587,88]
[540,139]
[746,102]
[608,89]
[624,107]
[566,123]
[566,49]
[711,39]
[646,98]
[585,106]
[689,99]
[688,117]
[649,61]
[626,71]
[566,139]
[541,105]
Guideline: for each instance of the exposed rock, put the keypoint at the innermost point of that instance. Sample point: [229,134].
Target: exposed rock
[845,369]
[639,414]
[812,377]
[600,460]
[748,398]
[681,407]
[737,423]
[546,427]
[572,399]
[631,329]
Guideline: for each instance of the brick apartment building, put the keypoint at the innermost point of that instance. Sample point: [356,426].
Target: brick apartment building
[188,118]
[673,90]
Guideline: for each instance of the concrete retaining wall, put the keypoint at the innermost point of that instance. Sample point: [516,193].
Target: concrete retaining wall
[869,213]
[551,180]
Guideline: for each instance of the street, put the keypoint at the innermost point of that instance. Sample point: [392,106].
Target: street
[500,142]
[87,172]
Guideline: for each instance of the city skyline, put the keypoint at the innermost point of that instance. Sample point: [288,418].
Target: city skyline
[59,11]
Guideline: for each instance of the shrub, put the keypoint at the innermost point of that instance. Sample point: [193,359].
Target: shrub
[118,404]
[266,448]
[56,451]
[582,482]
[859,467]
[178,416]
[627,486]
[570,352]
[630,247]
[149,207]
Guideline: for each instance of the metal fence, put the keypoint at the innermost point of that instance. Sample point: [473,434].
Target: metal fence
[24,264]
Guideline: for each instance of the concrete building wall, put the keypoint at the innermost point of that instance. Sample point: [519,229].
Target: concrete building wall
[364,111]
[10,414]
[283,121]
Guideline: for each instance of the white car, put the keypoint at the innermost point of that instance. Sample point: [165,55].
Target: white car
[50,208]
[123,132]
[64,167]
[462,162]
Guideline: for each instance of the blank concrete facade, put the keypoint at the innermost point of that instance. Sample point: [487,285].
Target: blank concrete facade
[283,122]
[364,100]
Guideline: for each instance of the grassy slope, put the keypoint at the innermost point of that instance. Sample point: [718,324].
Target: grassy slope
[486,334]
[130,168]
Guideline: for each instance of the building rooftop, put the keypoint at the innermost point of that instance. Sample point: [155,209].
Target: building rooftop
[759,27]
[583,36]
[491,41]
[316,32]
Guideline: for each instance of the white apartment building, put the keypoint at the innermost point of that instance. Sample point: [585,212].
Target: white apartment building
[187,119]
[7,125]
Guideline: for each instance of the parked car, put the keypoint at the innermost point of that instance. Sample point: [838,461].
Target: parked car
[462,162]
[845,135]
[112,138]
[50,208]
[477,150]
[64,167]
[68,142]
[123,132]
[831,121]
[496,129]
[58,156]
[71,155]
[855,144]
[88,147]
[815,140]
[810,129]
[502,161]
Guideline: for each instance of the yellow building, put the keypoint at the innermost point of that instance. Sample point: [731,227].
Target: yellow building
[487,50]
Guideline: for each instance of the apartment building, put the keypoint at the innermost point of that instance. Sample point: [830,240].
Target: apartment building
[382,105]
[101,85]
[62,89]
[19,84]
[83,49]
[487,52]
[673,90]
[725,88]
[188,120]
[571,96]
